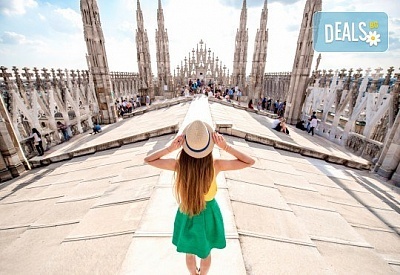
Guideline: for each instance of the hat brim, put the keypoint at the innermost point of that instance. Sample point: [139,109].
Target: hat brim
[204,152]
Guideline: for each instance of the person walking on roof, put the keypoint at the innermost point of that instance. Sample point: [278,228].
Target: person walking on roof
[198,225]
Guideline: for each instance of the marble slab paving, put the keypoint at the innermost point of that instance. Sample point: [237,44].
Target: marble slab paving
[282,168]
[159,215]
[25,179]
[149,255]
[86,190]
[269,222]
[294,157]
[64,213]
[306,167]
[351,184]
[27,254]
[9,236]
[251,175]
[372,200]
[391,218]
[325,224]
[304,198]
[361,216]
[85,175]
[294,181]
[56,190]
[52,181]
[138,171]
[336,195]
[316,179]
[111,220]
[267,152]
[22,195]
[128,191]
[334,173]
[24,213]
[376,183]
[347,259]
[264,256]
[94,256]
[256,194]
[385,243]
[270,156]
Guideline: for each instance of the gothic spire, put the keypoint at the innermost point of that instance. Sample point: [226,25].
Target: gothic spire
[160,16]
[259,55]
[97,58]
[240,56]
[143,55]
[302,63]
[243,14]
[139,17]
[163,61]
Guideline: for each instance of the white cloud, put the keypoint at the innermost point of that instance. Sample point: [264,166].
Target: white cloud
[121,54]
[66,20]
[208,22]
[68,52]
[18,39]
[126,26]
[42,17]
[13,38]
[19,7]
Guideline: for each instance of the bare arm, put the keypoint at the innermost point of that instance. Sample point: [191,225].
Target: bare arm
[242,160]
[155,159]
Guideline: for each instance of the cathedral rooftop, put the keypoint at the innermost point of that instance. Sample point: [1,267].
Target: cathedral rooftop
[93,206]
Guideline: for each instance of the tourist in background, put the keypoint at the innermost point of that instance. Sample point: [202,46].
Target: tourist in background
[64,129]
[276,106]
[250,105]
[147,100]
[276,121]
[313,124]
[280,125]
[259,104]
[37,139]
[263,103]
[269,104]
[198,225]
[96,128]
[300,125]
[314,115]
[239,95]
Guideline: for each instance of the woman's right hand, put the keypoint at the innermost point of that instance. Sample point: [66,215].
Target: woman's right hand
[219,140]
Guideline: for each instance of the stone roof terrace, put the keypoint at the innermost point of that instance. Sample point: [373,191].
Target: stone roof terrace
[92,206]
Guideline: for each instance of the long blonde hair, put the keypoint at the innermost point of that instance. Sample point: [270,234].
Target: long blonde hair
[193,180]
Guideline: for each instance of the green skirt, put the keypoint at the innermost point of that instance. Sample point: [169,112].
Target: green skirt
[199,234]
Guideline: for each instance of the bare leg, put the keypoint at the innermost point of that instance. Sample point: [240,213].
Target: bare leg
[205,265]
[191,263]
[283,127]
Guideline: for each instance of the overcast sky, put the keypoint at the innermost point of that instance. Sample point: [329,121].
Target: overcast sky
[38,33]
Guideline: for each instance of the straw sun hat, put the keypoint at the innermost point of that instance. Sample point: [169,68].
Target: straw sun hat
[198,141]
